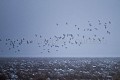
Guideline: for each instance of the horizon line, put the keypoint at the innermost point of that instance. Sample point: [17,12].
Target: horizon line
[56,57]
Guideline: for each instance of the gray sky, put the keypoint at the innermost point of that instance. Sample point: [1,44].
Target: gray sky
[25,18]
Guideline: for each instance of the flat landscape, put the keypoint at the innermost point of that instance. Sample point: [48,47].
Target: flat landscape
[26,68]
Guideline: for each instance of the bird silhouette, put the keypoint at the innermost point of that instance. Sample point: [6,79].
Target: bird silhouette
[35,35]
[108,32]
[66,23]
[57,24]
[109,22]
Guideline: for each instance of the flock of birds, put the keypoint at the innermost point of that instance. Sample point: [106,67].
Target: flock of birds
[54,43]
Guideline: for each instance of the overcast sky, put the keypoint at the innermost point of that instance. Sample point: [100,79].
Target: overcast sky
[25,18]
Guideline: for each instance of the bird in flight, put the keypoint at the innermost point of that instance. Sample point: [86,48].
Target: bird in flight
[57,24]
